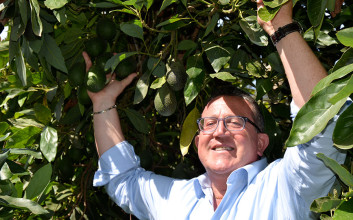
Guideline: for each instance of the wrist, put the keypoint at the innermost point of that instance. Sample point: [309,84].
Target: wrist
[103,105]
[283,31]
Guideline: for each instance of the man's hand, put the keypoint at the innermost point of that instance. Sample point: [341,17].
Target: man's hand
[283,17]
[108,95]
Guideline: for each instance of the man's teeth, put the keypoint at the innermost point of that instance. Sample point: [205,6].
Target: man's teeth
[223,148]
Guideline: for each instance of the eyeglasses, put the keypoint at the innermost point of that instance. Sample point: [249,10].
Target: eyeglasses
[231,123]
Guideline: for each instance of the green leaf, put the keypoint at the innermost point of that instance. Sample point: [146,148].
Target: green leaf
[341,72]
[158,83]
[274,3]
[217,55]
[193,87]
[345,36]
[55,4]
[344,93]
[343,133]
[19,61]
[23,4]
[39,181]
[267,14]
[138,121]
[254,68]
[187,45]
[3,157]
[225,76]
[165,4]
[331,5]
[5,172]
[26,151]
[37,25]
[212,24]
[342,173]
[194,66]
[344,211]
[188,130]
[52,53]
[114,61]
[315,114]
[49,143]
[324,204]
[42,113]
[132,28]
[156,66]
[3,127]
[23,138]
[345,59]
[263,86]
[253,30]
[142,87]
[21,203]
[316,10]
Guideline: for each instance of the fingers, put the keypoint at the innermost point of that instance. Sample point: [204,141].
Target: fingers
[87,59]
[125,82]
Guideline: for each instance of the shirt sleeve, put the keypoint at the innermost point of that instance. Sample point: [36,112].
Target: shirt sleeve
[135,190]
[307,174]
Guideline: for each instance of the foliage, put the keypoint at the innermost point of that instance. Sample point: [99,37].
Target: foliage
[48,158]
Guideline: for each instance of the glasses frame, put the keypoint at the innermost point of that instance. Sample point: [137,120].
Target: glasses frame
[224,123]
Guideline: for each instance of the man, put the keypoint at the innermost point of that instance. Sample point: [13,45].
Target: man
[238,183]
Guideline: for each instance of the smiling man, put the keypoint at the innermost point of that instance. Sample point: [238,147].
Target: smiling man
[238,183]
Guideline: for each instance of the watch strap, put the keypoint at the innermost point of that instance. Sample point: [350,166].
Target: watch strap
[284,31]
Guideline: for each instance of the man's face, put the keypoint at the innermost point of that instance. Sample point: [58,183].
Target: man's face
[223,151]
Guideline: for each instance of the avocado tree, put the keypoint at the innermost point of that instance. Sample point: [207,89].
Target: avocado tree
[181,49]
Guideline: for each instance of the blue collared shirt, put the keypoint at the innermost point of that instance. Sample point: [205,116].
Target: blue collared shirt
[283,189]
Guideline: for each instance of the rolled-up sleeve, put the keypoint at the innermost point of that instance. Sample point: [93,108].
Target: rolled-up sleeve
[306,174]
[118,159]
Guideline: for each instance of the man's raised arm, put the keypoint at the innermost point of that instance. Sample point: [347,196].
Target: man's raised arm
[302,67]
[107,129]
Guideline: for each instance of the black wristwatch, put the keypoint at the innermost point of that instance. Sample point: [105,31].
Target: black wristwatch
[284,31]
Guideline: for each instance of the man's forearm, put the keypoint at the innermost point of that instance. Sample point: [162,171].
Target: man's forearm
[302,67]
[107,129]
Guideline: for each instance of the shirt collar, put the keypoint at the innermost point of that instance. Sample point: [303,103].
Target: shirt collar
[202,183]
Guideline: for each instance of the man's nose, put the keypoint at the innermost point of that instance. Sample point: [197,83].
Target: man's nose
[221,129]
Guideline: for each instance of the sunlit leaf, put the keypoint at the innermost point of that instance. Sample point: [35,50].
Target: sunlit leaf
[188,130]
[49,143]
[342,173]
[23,138]
[274,3]
[37,25]
[345,36]
[333,76]
[254,31]
[344,93]
[344,211]
[55,4]
[142,87]
[225,76]
[21,203]
[42,113]
[39,181]
[217,55]
[267,14]
[315,114]
[324,204]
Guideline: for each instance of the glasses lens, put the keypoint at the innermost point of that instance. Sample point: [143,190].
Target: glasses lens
[234,123]
[208,124]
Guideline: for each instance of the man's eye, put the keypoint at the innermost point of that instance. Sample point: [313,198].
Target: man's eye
[210,123]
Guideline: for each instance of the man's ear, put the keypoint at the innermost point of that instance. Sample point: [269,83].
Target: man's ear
[196,140]
[262,143]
